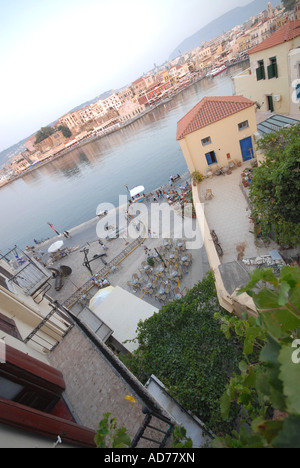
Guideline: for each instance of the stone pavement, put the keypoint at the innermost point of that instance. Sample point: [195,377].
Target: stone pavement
[126,254]
[228,215]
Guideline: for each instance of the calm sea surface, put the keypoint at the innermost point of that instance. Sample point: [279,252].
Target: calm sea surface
[66,192]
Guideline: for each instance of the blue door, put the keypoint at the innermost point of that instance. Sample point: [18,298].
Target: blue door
[247,148]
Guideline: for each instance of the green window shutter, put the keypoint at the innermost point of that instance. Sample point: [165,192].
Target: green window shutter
[272,71]
[260,73]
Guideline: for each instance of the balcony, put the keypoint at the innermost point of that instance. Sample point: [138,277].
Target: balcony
[26,273]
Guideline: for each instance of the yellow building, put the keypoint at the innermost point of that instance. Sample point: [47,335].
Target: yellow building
[268,79]
[216,132]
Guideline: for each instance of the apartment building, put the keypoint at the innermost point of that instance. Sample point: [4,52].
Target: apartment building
[111,102]
[19,164]
[71,120]
[273,64]
[57,376]
[125,95]
[139,86]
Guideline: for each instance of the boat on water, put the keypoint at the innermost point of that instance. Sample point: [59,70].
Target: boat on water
[216,71]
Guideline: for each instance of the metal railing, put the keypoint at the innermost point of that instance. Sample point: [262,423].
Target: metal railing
[51,330]
[26,272]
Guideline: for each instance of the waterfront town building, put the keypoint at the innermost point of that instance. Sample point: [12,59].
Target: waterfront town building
[139,86]
[19,164]
[70,120]
[125,95]
[129,110]
[297,11]
[111,102]
[53,141]
[29,144]
[218,132]
[271,80]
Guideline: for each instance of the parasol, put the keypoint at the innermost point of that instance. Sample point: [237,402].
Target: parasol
[55,247]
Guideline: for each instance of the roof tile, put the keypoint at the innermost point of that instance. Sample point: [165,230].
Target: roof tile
[209,111]
[288,32]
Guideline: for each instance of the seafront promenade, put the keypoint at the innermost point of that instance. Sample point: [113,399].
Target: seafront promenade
[124,257]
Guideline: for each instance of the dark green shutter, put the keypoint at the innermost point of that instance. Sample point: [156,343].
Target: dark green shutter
[260,73]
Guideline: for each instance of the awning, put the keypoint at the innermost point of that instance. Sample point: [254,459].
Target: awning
[99,297]
[135,191]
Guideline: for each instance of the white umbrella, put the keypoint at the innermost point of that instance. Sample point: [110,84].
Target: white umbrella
[55,247]
[135,191]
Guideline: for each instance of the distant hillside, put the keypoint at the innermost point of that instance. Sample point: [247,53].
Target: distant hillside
[222,24]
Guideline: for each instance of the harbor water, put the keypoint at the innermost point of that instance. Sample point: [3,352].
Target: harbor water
[67,191]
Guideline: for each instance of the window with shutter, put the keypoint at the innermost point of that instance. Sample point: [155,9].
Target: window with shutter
[273,68]
[8,326]
[260,71]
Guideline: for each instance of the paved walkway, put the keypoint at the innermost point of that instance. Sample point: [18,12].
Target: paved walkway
[228,215]
[128,254]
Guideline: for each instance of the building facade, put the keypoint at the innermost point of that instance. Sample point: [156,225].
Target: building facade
[268,79]
[216,132]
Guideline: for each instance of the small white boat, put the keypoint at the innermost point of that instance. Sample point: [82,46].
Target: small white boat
[216,71]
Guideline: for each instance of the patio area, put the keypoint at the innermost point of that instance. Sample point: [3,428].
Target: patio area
[228,213]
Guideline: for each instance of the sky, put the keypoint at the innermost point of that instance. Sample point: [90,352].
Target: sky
[58,54]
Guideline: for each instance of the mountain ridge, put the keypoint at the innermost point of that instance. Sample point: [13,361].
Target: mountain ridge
[222,24]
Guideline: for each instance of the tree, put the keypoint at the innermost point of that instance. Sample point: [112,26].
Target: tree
[43,133]
[275,188]
[267,386]
[184,347]
[65,131]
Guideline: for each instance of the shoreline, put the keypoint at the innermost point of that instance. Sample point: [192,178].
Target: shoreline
[88,223]
[98,137]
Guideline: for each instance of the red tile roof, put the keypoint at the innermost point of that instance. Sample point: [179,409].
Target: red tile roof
[209,111]
[288,32]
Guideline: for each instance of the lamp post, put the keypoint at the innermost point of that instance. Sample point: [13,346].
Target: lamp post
[53,229]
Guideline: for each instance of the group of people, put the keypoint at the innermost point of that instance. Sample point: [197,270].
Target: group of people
[100,282]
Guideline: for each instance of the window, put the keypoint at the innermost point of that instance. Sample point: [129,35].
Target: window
[211,158]
[206,141]
[243,125]
[298,91]
[260,71]
[8,326]
[272,68]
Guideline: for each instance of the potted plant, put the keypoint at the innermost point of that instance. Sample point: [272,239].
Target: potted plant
[150,261]
[196,177]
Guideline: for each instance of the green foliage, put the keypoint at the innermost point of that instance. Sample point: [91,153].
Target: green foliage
[44,133]
[150,261]
[184,347]
[65,131]
[110,435]
[197,177]
[180,439]
[275,188]
[269,377]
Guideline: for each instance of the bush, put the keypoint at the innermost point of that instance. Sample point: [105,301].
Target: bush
[184,347]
